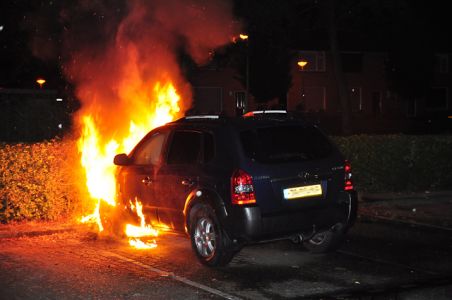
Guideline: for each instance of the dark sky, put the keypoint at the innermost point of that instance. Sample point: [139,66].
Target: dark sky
[33,34]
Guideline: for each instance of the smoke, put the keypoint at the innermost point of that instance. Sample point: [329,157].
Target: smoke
[116,51]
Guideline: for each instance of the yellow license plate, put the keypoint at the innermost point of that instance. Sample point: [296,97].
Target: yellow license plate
[303,191]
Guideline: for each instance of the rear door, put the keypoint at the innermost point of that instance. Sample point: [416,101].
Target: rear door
[291,167]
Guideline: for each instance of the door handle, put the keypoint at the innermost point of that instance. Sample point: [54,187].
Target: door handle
[146,180]
[187,182]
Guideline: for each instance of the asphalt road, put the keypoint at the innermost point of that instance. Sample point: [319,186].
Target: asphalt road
[378,261]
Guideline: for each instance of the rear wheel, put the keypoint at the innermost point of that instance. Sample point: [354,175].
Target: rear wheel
[210,244]
[325,241]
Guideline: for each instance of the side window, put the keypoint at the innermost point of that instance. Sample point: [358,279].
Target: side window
[149,152]
[185,147]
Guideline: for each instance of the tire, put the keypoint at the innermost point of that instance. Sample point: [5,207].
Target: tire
[210,244]
[114,218]
[325,241]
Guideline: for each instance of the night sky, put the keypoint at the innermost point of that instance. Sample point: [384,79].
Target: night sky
[36,37]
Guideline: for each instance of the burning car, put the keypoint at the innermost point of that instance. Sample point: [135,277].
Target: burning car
[231,182]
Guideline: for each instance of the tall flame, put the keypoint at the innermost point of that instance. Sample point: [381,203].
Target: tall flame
[97,161]
[97,157]
[126,70]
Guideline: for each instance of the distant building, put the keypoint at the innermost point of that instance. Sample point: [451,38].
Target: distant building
[374,108]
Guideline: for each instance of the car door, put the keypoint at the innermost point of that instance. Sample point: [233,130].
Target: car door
[138,178]
[178,176]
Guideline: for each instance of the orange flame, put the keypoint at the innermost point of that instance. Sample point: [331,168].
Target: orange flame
[126,81]
[97,157]
[144,230]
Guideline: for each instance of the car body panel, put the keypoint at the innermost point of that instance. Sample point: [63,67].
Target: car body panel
[173,185]
[176,187]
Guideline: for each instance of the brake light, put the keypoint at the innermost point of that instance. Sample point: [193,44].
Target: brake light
[242,189]
[348,176]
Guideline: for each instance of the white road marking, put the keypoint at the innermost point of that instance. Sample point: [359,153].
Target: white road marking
[173,276]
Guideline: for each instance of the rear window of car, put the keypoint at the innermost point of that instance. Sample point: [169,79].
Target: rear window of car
[290,143]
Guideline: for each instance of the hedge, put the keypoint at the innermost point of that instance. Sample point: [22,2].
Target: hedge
[44,181]
[40,181]
[397,163]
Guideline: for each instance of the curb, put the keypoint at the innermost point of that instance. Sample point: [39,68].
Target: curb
[411,223]
[34,233]
[376,197]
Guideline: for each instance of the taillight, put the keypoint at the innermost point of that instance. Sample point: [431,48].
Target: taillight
[348,176]
[242,189]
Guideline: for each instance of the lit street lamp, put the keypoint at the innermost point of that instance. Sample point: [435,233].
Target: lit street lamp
[302,63]
[41,82]
[244,37]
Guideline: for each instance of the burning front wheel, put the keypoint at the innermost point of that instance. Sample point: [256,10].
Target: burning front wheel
[207,239]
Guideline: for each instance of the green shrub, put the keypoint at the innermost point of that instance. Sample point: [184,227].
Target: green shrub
[44,181]
[392,163]
[39,181]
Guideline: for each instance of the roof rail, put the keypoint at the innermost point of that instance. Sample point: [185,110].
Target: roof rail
[263,112]
[193,117]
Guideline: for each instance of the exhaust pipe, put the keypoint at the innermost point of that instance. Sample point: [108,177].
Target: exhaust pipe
[297,239]
[337,227]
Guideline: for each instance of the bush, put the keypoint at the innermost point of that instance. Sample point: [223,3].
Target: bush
[394,163]
[44,181]
[39,181]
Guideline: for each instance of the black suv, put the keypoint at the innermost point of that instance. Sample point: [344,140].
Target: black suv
[229,182]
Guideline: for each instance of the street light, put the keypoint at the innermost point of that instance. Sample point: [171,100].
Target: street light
[41,82]
[244,37]
[302,63]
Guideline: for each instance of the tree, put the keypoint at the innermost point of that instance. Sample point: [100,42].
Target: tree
[410,62]
[268,48]
[344,97]
[402,29]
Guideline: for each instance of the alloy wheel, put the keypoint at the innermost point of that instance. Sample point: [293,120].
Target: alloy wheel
[205,237]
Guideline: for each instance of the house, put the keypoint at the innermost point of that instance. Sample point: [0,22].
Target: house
[374,107]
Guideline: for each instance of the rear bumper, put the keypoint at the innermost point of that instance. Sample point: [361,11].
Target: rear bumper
[248,224]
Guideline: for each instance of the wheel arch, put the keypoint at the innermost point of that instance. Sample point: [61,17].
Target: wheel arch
[206,196]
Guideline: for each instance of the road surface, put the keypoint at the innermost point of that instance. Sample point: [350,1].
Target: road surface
[378,259]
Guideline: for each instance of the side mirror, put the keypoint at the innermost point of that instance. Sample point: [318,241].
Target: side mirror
[121,160]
